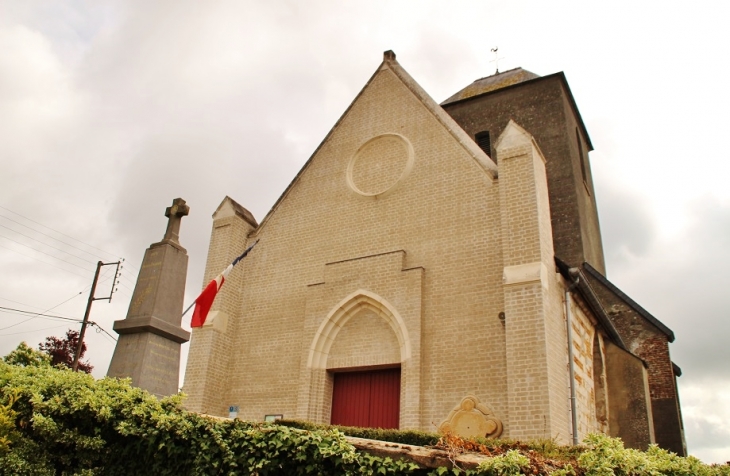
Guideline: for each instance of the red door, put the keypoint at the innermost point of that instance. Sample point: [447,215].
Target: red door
[367,399]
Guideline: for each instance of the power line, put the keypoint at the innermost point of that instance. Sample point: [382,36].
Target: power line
[99,328]
[48,316]
[38,259]
[46,244]
[46,234]
[21,303]
[34,330]
[47,254]
[126,286]
[35,315]
[50,308]
[56,231]
[64,302]
[39,314]
[60,233]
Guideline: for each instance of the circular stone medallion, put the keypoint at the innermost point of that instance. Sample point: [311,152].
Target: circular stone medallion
[380,164]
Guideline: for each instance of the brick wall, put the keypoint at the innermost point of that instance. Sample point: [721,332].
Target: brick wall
[412,276]
[651,344]
[542,107]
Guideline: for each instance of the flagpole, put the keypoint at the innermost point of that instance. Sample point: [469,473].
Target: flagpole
[243,255]
[189,308]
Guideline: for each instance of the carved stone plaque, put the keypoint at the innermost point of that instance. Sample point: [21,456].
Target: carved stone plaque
[472,419]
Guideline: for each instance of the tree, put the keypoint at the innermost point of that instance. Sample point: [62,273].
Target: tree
[27,357]
[62,351]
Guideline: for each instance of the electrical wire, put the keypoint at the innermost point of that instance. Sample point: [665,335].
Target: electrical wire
[51,317]
[36,315]
[34,330]
[60,233]
[56,231]
[46,262]
[48,245]
[47,254]
[99,328]
[21,303]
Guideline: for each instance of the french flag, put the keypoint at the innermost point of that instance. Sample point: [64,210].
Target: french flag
[206,298]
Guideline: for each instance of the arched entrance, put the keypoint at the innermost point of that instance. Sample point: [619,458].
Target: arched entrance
[358,364]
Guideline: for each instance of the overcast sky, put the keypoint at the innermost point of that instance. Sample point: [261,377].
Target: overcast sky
[109,110]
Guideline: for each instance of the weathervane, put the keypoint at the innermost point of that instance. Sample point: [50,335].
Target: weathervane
[496,59]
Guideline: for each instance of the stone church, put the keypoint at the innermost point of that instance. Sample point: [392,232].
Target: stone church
[436,267]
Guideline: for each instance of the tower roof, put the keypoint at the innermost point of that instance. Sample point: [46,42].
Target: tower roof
[490,83]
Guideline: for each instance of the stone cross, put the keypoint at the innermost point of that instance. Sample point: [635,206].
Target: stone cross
[174,215]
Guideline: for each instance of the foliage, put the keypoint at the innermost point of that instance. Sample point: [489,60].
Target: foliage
[68,423]
[62,351]
[7,424]
[27,356]
[510,463]
[607,456]
[406,437]
[54,421]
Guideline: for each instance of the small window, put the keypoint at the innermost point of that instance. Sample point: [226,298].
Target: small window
[581,157]
[484,142]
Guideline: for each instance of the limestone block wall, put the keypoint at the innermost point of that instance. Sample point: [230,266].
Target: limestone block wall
[536,346]
[208,367]
[444,213]
[395,245]
[588,368]
[377,324]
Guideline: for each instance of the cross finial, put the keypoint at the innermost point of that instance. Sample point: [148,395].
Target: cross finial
[496,59]
[174,215]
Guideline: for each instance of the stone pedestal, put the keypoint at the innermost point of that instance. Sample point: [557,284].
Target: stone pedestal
[148,349]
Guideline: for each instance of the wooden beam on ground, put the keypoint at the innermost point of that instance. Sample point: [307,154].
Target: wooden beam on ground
[424,457]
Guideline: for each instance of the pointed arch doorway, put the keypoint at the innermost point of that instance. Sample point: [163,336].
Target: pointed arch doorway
[363,332]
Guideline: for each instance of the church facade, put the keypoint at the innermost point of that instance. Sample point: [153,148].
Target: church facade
[436,267]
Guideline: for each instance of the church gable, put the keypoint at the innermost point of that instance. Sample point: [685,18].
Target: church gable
[399,278]
[395,177]
[391,127]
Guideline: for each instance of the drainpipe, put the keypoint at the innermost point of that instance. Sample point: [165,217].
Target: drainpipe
[571,365]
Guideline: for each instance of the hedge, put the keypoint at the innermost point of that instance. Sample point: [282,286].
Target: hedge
[58,422]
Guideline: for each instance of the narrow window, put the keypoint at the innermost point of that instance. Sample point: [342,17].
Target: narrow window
[484,142]
[581,157]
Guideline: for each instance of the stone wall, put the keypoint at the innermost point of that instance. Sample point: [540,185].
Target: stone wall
[630,416]
[396,245]
[211,347]
[544,107]
[651,343]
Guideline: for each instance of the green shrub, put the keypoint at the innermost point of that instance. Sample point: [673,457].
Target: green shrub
[607,456]
[55,421]
[510,463]
[27,357]
[68,423]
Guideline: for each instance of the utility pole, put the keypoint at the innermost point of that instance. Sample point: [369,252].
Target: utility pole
[85,322]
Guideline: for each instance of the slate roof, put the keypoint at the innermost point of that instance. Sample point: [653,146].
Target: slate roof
[584,289]
[491,83]
[630,302]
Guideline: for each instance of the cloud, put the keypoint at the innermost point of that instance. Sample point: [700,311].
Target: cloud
[707,416]
[627,225]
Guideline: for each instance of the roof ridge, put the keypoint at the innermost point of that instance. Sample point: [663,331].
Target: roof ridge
[501,72]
